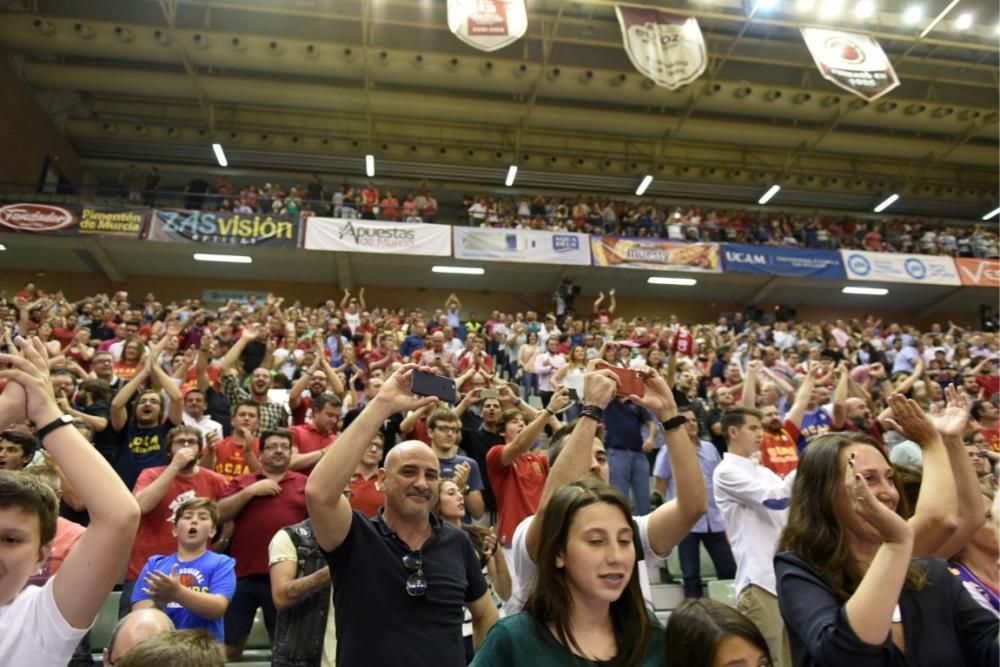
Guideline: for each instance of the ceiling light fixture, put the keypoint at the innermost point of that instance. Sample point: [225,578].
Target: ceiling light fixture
[370,165]
[964,22]
[681,282]
[646,180]
[913,14]
[866,291]
[766,197]
[864,9]
[225,259]
[2,247]
[937,19]
[463,270]
[829,9]
[992,214]
[220,155]
[805,5]
[511,175]
[886,203]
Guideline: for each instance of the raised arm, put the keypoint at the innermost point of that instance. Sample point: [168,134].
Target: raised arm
[345,299]
[748,398]
[802,397]
[236,351]
[119,414]
[526,438]
[598,301]
[204,357]
[176,413]
[295,394]
[840,398]
[332,379]
[329,509]
[907,384]
[89,572]
[614,304]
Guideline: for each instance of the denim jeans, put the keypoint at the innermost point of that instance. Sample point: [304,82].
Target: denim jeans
[530,383]
[718,550]
[630,471]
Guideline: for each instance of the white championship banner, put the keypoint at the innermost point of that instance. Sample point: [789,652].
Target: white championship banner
[852,60]
[487,25]
[893,267]
[668,48]
[522,245]
[352,235]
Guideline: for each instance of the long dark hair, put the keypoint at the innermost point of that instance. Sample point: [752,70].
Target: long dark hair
[814,532]
[698,626]
[550,600]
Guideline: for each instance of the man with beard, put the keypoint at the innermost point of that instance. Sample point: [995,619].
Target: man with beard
[391,571]
[260,503]
[852,413]
[143,435]
[777,445]
[318,379]
[273,415]
[159,492]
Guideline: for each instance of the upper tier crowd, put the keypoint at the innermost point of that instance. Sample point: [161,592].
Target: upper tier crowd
[391,483]
[594,215]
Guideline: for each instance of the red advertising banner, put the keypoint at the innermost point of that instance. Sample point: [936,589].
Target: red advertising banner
[72,220]
[979,272]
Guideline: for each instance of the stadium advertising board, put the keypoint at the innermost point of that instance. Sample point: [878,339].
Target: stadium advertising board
[353,235]
[521,245]
[778,261]
[897,268]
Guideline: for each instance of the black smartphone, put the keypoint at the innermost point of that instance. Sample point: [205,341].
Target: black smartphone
[573,396]
[431,384]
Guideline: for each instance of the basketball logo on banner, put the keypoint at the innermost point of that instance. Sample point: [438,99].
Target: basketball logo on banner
[487,25]
[668,48]
[852,60]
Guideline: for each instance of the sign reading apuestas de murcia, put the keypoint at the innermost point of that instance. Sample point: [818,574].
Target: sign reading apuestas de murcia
[668,48]
[487,25]
[852,60]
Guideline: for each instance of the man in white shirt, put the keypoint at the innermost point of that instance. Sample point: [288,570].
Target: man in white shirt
[754,503]
[194,414]
[546,365]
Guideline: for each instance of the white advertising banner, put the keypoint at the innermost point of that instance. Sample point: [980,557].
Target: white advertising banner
[522,245]
[487,25]
[668,48]
[852,60]
[896,268]
[354,235]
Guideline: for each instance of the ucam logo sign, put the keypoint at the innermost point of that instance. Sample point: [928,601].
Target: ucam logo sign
[746,258]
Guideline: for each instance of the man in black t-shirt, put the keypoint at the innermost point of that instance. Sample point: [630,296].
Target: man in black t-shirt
[400,579]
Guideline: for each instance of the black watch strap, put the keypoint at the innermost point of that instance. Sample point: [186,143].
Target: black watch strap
[674,422]
[58,422]
[592,411]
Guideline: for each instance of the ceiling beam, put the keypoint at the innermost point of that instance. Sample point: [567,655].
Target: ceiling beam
[937,303]
[105,261]
[766,289]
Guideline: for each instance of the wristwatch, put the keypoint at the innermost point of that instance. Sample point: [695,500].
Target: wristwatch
[58,422]
[674,422]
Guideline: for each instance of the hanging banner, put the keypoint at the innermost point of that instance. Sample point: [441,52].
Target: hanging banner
[521,245]
[979,272]
[222,228]
[72,220]
[487,25]
[354,235]
[649,253]
[668,48]
[852,60]
[897,268]
[778,261]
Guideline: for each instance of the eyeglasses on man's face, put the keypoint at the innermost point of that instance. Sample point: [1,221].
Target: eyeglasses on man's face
[277,447]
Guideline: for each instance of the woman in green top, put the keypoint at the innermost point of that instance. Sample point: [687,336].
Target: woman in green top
[586,606]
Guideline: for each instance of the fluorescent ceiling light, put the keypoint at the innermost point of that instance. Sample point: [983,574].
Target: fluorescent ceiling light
[370,165]
[937,19]
[661,280]
[770,193]
[867,291]
[2,247]
[220,155]
[464,270]
[646,180]
[767,5]
[913,14]
[829,9]
[864,9]
[964,22]
[805,5]
[228,259]
[992,214]
[511,175]
[889,201]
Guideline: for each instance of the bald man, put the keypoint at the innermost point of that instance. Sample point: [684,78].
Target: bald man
[389,570]
[134,628]
[851,413]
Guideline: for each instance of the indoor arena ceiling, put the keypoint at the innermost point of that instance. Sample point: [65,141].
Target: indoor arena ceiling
[313,85]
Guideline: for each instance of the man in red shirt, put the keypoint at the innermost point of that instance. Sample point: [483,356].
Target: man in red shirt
[369,200]
[988,418]
[260,503]
[778,449]
[309,441]
[161,490]
[384,355]
[366,495]
[237,454]
[517,473]
[852,413]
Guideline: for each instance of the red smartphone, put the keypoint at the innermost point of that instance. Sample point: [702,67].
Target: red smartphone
[631,382]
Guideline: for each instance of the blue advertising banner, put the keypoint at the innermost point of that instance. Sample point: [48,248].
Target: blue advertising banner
[779,261]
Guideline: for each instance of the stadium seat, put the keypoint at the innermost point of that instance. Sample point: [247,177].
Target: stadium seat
[723,590]
[107,618]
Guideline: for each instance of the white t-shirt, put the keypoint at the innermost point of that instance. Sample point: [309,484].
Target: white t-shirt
[525,570]
[33,632]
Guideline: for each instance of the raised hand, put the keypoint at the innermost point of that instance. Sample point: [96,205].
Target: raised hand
[29,389]
[909,419]
[559,400]
[658,398]
[397,391]
[599,387]
[954,418]
[461,474]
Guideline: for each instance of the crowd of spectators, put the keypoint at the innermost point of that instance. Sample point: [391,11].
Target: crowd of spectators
[594,215]
[252,435]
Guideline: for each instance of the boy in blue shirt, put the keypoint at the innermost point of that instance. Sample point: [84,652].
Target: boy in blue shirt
[194,585]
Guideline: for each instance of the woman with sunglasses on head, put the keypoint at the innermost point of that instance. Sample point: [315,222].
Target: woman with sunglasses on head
[707,633]
[849,590]
[586,606]
[451,509]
